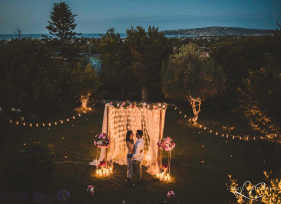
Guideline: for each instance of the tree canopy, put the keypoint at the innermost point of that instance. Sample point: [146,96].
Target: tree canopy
[187,74]
[62,22]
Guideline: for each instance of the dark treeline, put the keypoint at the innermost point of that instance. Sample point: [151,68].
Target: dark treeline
[145,65]
[49,75]
[36,78]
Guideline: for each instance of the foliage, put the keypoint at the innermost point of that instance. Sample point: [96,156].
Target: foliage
[117,78]
[262,89]
[241,56]
[148,50]
[188,74]
[61,26]
[33,77]
[62,22]
[277,33]
[130,64]
[238,56]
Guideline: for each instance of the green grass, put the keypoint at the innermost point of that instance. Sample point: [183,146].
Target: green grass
[194,182]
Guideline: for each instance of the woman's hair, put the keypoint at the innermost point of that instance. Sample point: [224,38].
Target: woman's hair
[139,133]
[129,132]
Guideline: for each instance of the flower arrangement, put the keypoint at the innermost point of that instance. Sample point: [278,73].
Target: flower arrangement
[171,194]
[164,168]
[167,144]
[101,141]
[102,164]
[91,190]
[129,104]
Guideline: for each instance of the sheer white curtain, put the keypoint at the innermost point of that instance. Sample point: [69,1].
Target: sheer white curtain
[116,122]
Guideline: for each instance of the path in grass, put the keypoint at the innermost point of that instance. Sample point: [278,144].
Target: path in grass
[194,182]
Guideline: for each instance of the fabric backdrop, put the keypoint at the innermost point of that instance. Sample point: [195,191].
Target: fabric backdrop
[116,122]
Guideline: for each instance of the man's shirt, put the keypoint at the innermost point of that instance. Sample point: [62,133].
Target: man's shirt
[139,150]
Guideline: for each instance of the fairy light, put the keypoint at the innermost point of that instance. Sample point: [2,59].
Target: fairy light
[164,177]
[273,137]
[104,171]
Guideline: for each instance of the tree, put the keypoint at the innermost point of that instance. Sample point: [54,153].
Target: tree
[187,75]
[62,23]
[31,77]
[277,33]
[148,50]
[18,33]
[115,74]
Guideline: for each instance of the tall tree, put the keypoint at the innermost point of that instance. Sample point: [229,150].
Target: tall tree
[62,23]
[148,50]
[191,76]
[115,59]
[277,33]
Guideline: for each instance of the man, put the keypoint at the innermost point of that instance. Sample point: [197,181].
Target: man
[138,155]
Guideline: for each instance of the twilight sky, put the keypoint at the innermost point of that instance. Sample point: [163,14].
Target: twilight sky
[32,16]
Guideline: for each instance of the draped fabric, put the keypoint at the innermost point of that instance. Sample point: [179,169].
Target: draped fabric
[116,122]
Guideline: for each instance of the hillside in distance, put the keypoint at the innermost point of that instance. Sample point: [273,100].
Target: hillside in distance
[219,31]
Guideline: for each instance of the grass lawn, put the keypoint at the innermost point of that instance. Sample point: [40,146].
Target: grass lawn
[194,182]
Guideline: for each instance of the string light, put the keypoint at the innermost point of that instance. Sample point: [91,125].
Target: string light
[269,137]
[247,138]
[31,124]
[104,171]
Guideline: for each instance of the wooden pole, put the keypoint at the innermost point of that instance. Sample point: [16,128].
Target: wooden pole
[160,137]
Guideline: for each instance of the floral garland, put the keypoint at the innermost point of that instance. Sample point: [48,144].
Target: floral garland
[167,144]
[101,141]
[129,104]
[91,190]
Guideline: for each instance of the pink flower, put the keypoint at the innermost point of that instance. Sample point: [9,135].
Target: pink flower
[164,168]
[171,194]
[167,144]
[102,164]
[91,189]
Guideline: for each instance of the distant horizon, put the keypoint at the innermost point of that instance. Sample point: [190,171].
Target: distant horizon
[239,27]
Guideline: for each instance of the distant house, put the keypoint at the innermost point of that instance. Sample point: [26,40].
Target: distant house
[204,52]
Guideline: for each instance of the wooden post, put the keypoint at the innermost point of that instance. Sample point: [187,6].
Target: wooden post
[107,132]
[160,137]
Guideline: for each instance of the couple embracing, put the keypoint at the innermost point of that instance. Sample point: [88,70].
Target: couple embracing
[135,155]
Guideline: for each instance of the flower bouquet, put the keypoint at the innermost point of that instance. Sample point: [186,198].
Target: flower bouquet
[101,141]
[167,144]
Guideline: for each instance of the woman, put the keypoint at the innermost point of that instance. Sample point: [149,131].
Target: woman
[130,146]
